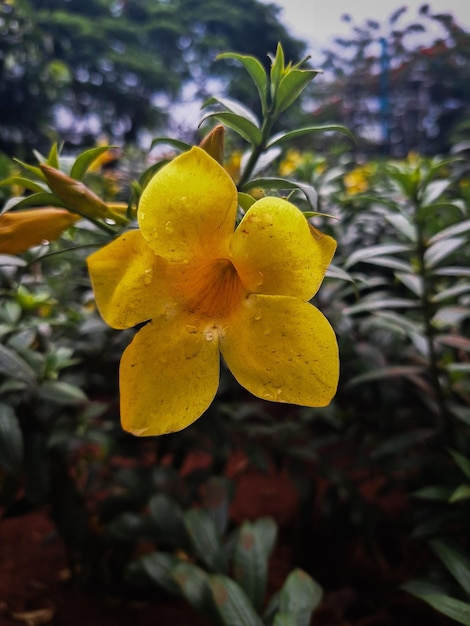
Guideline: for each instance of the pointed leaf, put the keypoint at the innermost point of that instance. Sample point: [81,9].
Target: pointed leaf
[194,585]
[290,88]
[239,124]
[174,143]
[455,609]
[255,70]
[62,393]
[234,106]
[403,225]
[250,564]
[14,366]
[461,461]
[204,538]
[86,159]
[379,250]
[284,619]
[455,560]
[159,568]
[232,604]
[31,185]
[284,137]
[11,440]
[442,249]
[299,597]
[450,231]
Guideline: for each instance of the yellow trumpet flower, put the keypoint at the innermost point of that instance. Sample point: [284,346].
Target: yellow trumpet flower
[203,289]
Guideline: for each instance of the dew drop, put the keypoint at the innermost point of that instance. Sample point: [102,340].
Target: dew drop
[191,329]
[148,275]
[209,335]
[268,396]
[257,316]
[259,278]
[267,331]
[169,227]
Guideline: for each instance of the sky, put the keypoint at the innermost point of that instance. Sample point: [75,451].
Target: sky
[318,21]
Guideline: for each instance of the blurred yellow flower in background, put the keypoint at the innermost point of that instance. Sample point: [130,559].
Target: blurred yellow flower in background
[357,180]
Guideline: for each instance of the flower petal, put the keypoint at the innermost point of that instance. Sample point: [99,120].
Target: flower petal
[283,350]
[188,209]
[277,252]
[169,375]
[129,281]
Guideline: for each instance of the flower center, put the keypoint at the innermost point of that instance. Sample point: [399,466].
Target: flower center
[215,290]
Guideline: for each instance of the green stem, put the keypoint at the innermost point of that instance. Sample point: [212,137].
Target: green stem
[257,150]
[428,312]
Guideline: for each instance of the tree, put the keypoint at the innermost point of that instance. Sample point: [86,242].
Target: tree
[116,66]
[396,90]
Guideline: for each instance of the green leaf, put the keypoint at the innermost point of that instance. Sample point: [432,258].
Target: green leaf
[62,393]
[379,250]
[255,70]
[276,72]
[455,609]
[159,567]
[461,461]
[193,583]
[32,169]
[239,124]
[394,371]
[204,538]
[412,281]
[461,493]
[451,231]
[284,619]
[433,191]
[284,137]
[402,225]
[283,183]
[379,303]
[451,292]
[442,249]
[299,597]
[250,563]
[38,200]
[14,366]
[455,560]
[11,440]
[234,107]
[168,518]
[245,200]
[53,156]
[86,159]
[31,185]
[174,143]
[436,493]
[233,606]
[290,88]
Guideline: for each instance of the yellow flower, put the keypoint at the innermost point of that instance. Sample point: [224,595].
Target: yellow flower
[357,180]
[21,230]
[205,289]
[291,162]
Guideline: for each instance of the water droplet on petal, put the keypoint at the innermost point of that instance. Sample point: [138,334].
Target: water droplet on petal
[259,278]
[169,227]
[267,331]
[209,335]
[148,275]
[257,316]
[268,396]
[191,329]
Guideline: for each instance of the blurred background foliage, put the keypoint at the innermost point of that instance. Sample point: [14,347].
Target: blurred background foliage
[258,513]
